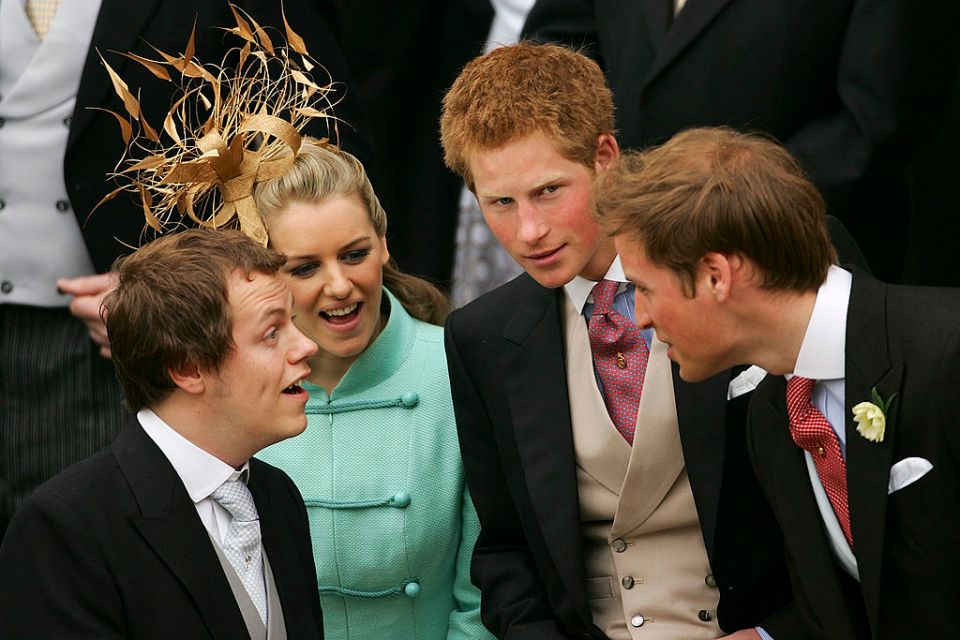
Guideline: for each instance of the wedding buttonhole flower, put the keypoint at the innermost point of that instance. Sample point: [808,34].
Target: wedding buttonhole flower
[871,417]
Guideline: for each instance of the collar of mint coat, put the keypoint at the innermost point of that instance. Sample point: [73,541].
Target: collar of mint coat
[380,360]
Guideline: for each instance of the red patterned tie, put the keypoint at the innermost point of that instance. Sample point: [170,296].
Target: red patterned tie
[811,431]
[620,355]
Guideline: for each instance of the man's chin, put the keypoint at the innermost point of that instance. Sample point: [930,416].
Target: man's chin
[551,278]
[689,373]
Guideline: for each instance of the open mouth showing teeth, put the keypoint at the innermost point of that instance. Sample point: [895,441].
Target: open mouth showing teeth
[293,389]
[342,312]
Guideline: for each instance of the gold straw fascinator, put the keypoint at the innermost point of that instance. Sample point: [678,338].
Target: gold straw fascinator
[227,129]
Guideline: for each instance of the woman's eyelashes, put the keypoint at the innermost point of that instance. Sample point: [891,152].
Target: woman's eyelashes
[304,270]
[307,269]
[356,255]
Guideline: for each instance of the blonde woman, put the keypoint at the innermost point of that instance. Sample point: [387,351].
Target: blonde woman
[379,466]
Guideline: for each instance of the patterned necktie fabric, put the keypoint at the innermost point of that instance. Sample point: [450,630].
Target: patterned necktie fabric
[620,355]
[242,544]
[812,433]
[41,13]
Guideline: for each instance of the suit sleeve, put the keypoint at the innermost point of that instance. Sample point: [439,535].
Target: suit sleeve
[465,622]
[514,604]
[54,581]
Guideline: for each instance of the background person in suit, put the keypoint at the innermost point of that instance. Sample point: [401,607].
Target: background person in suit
[726,243]
[402,60]
[158,535]
[853,88]
[584,534]
[56,148]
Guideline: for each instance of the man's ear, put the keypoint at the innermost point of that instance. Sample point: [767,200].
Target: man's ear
[188,377]
[607,151]
[716,274]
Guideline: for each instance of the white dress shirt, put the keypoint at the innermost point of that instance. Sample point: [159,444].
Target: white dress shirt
[200,472]
[822,358]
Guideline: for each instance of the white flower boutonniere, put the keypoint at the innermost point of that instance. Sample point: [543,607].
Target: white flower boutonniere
[871,417]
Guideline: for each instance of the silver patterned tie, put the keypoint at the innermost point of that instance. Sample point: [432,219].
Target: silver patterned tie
[242,544]
[41,13]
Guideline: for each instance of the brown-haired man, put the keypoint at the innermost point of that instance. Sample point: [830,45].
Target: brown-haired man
[727,245]
[174,530]
[586,530]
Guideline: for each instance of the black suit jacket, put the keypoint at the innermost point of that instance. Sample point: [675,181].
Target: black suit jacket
[94,145]
[850,87]
[113,547]
[904,341]
[507,373]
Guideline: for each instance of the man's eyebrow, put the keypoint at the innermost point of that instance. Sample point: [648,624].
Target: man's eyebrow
[277,310]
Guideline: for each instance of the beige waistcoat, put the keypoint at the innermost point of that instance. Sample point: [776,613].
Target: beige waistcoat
[648,576]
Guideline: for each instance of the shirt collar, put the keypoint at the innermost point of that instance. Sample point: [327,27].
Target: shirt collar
[823,351]
[579,289]
[200,472]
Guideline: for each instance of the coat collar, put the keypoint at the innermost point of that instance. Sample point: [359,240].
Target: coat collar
[869,366]
[783,471]
[695,16]
[169,523]
[701,416]
[535,386]
[658,19]
[278,529]
[380,360]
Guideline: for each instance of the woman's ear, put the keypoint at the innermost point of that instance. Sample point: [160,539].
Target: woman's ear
[385,258]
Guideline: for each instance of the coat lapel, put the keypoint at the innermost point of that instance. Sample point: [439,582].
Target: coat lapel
[689,23]
[782,471]
[281,547]
[170,525]
[658,15]
[868,366]
[536,391]
[701,411]
[119,25]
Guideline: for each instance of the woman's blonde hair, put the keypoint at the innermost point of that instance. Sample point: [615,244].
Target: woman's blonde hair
[320,173]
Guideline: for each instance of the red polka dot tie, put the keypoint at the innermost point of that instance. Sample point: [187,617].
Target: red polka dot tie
[812,433]
[620,355]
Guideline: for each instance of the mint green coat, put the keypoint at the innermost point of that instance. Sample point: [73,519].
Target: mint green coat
[392,524]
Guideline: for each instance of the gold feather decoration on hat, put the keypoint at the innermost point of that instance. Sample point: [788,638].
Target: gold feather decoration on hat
[226,131]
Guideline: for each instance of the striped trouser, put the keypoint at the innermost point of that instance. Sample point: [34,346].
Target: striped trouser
[59,399]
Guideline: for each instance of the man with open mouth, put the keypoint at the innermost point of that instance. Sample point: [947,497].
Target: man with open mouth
[175,530]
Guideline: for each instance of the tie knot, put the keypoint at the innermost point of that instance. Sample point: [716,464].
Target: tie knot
[41,14]
[603,293]
[235,497]
[799,389]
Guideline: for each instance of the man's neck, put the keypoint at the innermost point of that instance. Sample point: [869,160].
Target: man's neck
[200,429]
[778,326]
